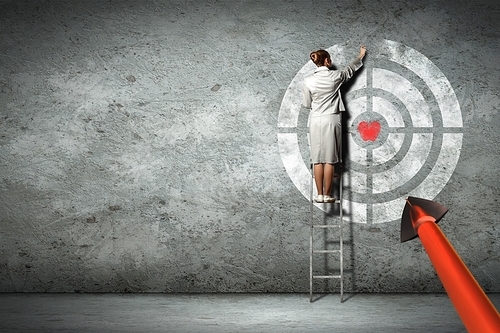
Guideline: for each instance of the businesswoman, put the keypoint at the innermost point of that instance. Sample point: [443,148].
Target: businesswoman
[321,94]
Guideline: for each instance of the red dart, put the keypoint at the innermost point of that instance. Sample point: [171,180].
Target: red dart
[420,218]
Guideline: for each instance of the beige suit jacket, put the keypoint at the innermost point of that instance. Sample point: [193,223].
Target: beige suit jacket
[321,90]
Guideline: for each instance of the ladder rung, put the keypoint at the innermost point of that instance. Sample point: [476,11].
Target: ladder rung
[337,201]
[326,276]
[326,226]
[326,251]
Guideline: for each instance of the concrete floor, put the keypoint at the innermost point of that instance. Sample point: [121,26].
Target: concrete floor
[229,313]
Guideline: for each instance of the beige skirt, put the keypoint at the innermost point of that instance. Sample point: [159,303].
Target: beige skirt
[325,136]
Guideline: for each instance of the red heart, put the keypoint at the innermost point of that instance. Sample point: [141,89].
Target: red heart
[369,130]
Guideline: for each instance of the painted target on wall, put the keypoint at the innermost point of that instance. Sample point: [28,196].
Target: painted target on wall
[403,132]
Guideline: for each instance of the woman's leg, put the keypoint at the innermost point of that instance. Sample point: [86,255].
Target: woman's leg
[328,178]
[318,177]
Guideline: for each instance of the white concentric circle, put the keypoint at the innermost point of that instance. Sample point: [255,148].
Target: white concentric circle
[413,117]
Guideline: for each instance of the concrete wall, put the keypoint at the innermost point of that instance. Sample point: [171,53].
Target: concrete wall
[140,152]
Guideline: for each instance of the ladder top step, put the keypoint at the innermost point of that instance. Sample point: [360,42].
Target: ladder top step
[326,251]
[326,226]
[327,277]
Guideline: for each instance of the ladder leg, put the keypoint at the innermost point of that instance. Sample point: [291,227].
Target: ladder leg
[341,242]
[341,216]
[311,210]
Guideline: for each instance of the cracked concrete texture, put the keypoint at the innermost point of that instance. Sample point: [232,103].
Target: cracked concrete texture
[138,148]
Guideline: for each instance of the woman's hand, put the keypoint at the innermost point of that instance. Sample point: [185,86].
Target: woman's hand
[362,52]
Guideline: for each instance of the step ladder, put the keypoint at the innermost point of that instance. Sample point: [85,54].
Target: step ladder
[332,225]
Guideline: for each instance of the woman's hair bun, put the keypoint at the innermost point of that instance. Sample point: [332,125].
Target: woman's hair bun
[318,57]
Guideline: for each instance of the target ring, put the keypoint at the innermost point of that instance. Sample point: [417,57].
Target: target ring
[404,132]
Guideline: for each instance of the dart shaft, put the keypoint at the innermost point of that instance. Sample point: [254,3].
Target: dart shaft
[473,306]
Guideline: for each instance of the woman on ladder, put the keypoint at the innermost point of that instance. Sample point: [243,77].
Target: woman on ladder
[322,96]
